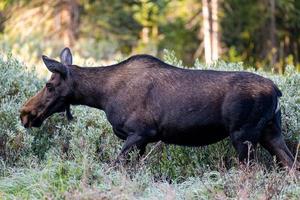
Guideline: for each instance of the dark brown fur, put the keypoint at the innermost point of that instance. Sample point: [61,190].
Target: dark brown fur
[147,100]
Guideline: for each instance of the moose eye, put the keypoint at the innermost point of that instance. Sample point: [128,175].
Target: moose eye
[50,87]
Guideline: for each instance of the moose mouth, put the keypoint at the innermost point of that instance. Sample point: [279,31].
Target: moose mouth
[29,122]
[33,120]
[35,123]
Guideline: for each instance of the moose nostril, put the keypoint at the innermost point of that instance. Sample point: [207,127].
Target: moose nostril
[24,120]
[33,113]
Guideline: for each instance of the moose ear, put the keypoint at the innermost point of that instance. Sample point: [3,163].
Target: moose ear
[66,56]
[54,66]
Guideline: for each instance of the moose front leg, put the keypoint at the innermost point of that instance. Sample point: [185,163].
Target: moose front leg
[132,141]
[68,113]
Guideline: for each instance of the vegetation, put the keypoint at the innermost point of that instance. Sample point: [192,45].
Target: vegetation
[64,160]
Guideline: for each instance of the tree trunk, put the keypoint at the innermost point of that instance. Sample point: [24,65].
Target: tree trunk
[274,57]
[206,31]
[69,21]
[210,30]
[215,31]
[145,35]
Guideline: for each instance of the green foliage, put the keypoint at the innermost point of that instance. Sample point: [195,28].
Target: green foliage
[247,33]
[73,160]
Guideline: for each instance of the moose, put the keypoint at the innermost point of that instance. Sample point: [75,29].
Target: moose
[147,100]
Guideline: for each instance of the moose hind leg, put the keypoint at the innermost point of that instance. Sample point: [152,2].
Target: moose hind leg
[273,141]
[244,141]
[132,141]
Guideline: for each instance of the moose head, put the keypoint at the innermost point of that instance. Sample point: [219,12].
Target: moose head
[54,96]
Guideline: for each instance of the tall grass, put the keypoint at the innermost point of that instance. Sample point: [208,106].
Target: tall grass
[64,160]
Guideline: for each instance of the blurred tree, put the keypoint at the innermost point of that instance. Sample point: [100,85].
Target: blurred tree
[67,20]
[207,29]
[261,33]
[210,29]
[111,21]
[288,26]
[179,27]
[39,24]
[273,36]
[148,14]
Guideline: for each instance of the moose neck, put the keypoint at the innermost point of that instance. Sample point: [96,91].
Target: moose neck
[90,85]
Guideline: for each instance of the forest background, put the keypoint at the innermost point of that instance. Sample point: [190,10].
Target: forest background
[260,33]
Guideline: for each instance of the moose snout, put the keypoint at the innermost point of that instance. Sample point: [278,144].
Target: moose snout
[25,121]
[26,117]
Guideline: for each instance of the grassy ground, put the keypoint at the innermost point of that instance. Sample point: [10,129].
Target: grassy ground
[64,160]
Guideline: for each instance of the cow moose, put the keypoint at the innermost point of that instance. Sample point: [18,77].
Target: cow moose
[146,100]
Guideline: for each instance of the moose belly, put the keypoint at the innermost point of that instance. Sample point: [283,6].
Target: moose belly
[194,136]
